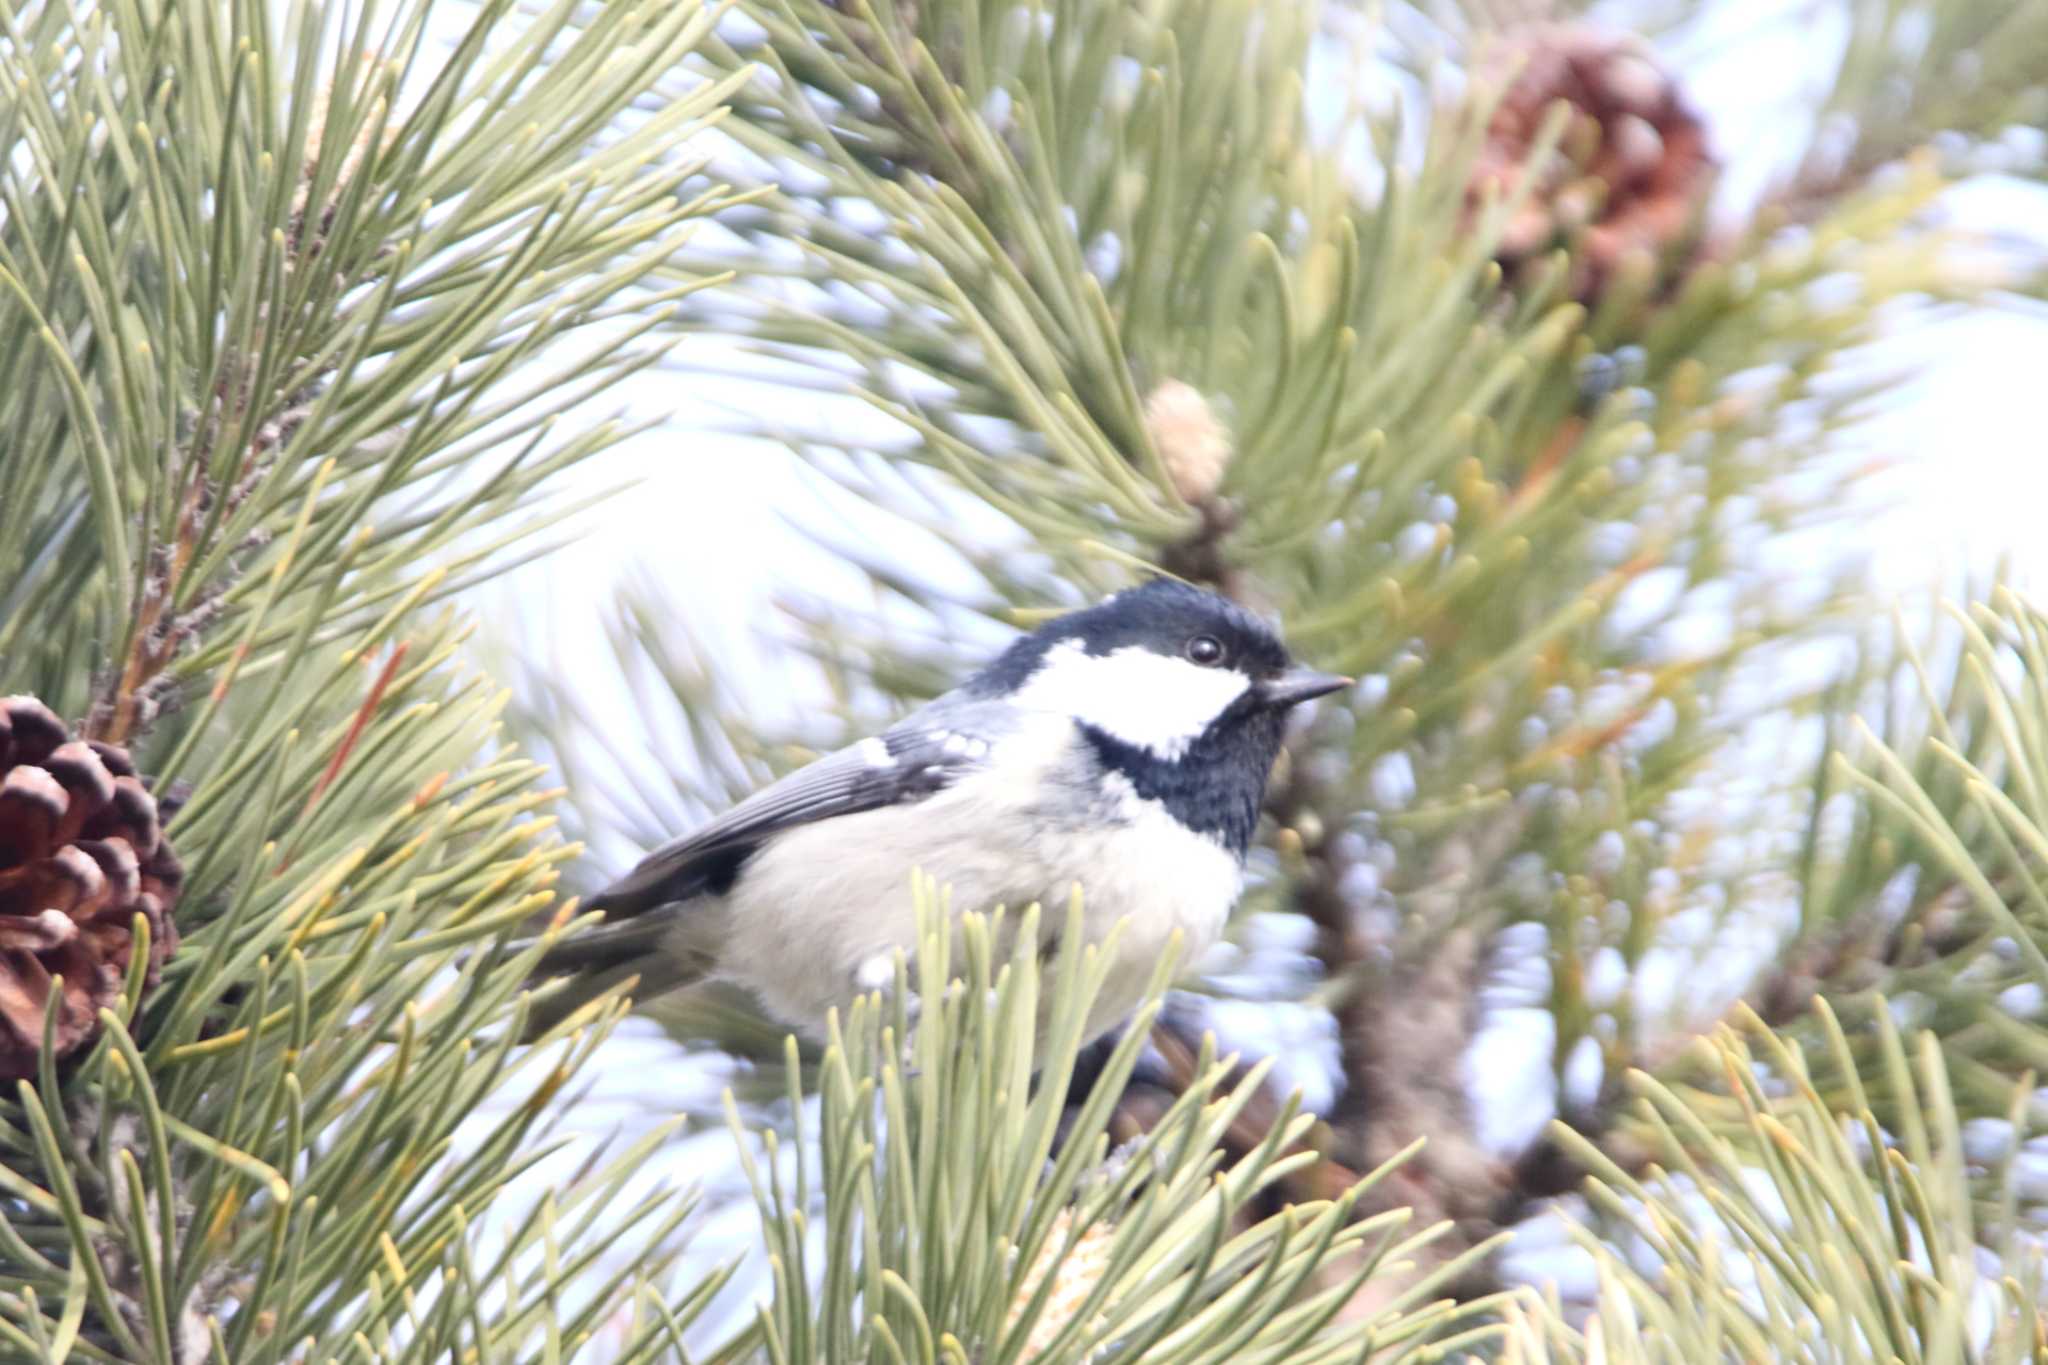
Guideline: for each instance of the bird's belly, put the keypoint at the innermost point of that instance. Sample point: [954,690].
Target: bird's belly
[819,908]
[1161,887]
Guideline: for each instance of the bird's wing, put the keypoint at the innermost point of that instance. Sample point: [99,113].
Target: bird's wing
[920,755]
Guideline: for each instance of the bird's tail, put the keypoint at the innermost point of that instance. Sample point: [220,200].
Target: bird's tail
[647,955]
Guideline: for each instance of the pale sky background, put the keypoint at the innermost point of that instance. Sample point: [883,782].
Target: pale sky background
[709,517]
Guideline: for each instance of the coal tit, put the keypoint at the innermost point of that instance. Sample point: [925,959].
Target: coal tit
[1123,748]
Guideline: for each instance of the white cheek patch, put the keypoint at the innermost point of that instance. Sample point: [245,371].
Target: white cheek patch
[1153,701]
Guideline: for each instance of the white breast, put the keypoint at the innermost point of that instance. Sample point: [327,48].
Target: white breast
[820,902]
[1160,878]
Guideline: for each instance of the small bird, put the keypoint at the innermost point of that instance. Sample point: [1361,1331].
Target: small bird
[1123,749]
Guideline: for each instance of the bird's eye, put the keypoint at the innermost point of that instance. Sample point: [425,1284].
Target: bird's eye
[1205,650]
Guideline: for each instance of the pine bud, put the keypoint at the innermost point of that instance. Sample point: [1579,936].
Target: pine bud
[1074,1279]
[1191,443]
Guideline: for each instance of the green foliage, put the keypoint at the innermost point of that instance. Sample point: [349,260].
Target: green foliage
[1776,1227]
[265,1158]
[292,304]
[265,289]
[1951,812]
[955,1229]
[1831,1209]
[1912,70]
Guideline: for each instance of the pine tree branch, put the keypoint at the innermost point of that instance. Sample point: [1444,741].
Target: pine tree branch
[286,332]
[1856,1239]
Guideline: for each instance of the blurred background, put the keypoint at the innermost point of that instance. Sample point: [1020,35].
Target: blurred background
[1647,375]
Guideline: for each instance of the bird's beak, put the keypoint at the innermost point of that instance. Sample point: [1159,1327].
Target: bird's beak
[1298,685]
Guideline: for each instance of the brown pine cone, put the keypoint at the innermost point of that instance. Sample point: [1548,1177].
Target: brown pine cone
[81,854]
[1630,173]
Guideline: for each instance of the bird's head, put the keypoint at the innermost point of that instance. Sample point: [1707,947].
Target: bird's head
[1164,673]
